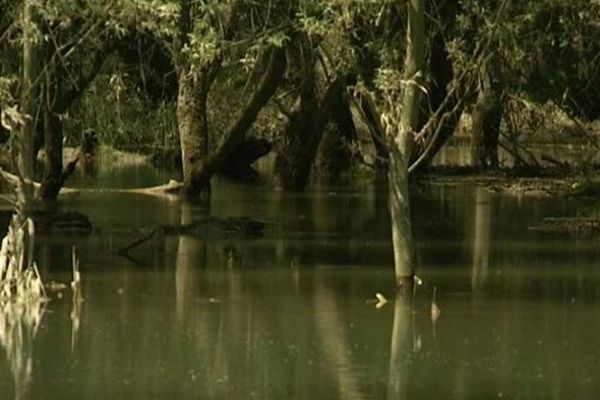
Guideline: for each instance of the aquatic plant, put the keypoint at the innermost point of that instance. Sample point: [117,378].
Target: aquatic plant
[20,280]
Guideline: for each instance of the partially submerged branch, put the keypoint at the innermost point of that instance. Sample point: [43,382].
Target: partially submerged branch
[170,188]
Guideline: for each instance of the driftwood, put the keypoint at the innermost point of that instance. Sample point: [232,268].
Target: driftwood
[172,187]
[206,229]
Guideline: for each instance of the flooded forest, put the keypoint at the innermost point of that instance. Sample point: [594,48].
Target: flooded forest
[299,199]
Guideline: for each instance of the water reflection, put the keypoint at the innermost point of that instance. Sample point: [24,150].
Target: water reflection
[401,348]
[481,238]
[288,316]
[191,257]
[19,325]
[332,333]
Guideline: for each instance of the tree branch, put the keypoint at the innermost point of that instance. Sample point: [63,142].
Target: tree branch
[235,135]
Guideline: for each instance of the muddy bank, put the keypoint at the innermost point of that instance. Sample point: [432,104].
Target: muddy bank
[535,183]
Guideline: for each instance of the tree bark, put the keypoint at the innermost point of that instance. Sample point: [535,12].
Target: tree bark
[402,146]
[195,81]
[192,120]
[52,180]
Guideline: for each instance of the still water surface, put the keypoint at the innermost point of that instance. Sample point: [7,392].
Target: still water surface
[290,315]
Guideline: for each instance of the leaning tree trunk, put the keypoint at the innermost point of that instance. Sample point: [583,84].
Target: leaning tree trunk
[487,116]
[401,147]
[235,135]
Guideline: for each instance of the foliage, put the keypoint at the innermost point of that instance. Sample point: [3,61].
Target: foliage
[549,51]
[122,118]
[538,42]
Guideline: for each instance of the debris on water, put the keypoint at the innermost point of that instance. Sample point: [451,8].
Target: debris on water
[54,286]
[381,300]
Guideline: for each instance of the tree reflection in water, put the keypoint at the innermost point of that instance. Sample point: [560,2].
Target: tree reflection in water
[401,346]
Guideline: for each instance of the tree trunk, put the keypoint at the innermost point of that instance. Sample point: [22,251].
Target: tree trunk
[300,141]
[29,107]
[334,154]
[234,138]
[487,115]
[298,148]
[402,146]
[52,133]
[442,75]
[52,180]
[195,81]
[193,123]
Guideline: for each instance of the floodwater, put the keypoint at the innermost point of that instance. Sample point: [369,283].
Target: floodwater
[291,315]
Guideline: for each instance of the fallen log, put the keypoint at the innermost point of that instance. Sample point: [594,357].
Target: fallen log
[206,229]
[172,187]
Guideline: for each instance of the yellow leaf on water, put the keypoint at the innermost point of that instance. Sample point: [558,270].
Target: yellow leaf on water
[381,300]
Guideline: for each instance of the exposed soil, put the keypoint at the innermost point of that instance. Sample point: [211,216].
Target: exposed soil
[539,183]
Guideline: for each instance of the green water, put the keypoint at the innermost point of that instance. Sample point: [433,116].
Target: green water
[291,316]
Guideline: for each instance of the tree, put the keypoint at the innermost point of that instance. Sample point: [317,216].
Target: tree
[197,68]
[320,98]
[402,124]
[67,73]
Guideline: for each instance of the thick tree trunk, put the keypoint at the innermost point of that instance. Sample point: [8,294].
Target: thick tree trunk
[193,123]
[234,138]
[402,146]
[300,141]
[487,116]
[195,81]
[297,151]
